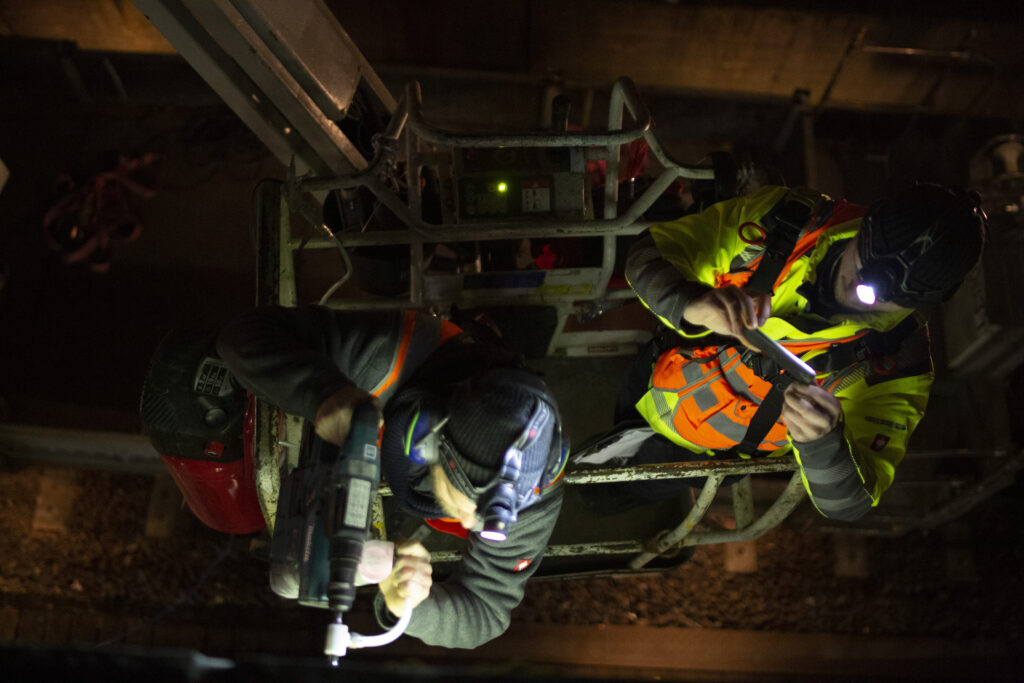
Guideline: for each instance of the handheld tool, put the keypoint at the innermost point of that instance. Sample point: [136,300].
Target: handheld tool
[323,521]
[786,359]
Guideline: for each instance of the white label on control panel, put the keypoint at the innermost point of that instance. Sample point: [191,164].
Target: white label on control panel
[358,504]
[536,199]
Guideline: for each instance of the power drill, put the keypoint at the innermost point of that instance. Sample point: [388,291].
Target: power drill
[348,497]
[323,516]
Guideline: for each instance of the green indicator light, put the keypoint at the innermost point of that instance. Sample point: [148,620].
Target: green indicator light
[502,187]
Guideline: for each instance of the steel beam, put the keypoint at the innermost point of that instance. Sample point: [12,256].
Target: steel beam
[289,71]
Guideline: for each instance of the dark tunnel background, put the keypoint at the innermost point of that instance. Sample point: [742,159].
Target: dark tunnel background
[82,84]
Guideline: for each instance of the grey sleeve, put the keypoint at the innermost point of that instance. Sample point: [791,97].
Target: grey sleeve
[474,605]
[296,357]
[660,286]
[832,476]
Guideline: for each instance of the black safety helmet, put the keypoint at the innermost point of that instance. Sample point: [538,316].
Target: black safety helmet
[918,246]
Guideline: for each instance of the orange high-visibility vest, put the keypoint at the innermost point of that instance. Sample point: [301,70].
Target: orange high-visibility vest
[710,400]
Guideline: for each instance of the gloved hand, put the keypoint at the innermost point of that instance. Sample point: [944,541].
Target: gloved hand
[810,412]
[334,417]
[410,578]
[728,310]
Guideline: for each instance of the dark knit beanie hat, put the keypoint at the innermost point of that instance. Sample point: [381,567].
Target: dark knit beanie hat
[936,233]
[488,413]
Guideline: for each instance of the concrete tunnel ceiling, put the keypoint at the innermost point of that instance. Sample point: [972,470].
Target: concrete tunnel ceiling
[964,60]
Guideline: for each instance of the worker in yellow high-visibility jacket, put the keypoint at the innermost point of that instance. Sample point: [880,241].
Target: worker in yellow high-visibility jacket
[840,285]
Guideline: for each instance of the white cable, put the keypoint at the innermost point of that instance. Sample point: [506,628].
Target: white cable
[348,268]
[344,257]
[389,636]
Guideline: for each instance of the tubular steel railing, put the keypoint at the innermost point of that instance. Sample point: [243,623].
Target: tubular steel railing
[591,283]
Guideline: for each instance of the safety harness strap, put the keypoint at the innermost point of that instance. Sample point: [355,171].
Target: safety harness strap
[784,224]
[839,356]
[873,344]
[836,358]
[766,416]
[767,413]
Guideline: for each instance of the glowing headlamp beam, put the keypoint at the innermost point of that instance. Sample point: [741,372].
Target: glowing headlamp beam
[866,294]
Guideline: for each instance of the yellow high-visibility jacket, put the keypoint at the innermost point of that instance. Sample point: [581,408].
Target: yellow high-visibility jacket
[883,397]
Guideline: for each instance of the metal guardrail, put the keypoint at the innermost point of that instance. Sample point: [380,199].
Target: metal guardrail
[573,287]
[624,95]
[748,527]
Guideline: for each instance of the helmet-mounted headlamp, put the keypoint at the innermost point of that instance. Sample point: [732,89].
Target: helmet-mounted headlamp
[502,478]
[502,504]
[499,500]
[887,277]
[933,262]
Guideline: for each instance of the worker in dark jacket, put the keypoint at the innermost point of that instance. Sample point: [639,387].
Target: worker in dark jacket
[471,443]
[838,285]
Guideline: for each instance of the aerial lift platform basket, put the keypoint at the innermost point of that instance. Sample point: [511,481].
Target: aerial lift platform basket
[292,73]
[567,291]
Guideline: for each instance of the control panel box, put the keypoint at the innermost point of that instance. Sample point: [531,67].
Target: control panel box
[502,183]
